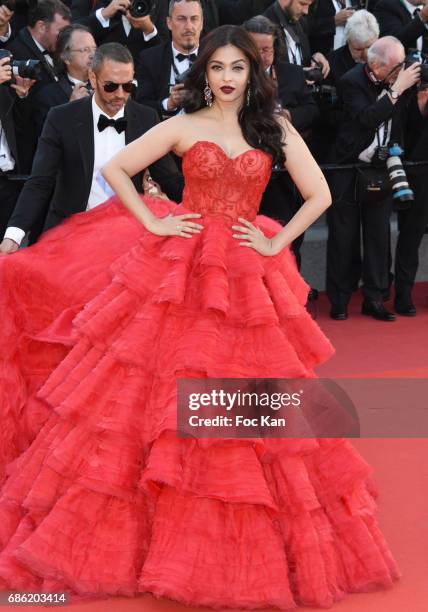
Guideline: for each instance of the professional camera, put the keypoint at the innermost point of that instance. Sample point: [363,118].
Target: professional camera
[27,69]
[141,8]
[402,194]
[414,57]
[315,75]
[180,78]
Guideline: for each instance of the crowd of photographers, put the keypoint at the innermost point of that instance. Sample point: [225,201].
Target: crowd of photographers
[351,76]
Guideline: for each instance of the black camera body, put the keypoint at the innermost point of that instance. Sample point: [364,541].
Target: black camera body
[358,5]
[27,69]
[141,8]
[315,75]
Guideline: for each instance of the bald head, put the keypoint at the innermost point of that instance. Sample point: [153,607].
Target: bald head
[387,51]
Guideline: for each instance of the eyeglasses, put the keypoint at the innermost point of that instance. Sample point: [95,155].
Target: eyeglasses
[86,50]
[110,87]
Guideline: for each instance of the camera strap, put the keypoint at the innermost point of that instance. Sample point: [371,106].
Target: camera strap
[290,30]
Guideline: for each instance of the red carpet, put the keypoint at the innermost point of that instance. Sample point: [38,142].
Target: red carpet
[366,347]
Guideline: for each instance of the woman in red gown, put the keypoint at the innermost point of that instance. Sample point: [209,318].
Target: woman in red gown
[100,497]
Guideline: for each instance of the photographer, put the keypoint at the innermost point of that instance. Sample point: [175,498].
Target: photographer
[37,41]
[361,31]
[375,111]
[290,15]
[75,51]
[119,21]
[161,70]
[14,117]
[413,221]
[405,19]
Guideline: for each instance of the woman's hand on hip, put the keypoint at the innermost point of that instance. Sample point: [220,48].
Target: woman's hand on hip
[253,237]
[175,225]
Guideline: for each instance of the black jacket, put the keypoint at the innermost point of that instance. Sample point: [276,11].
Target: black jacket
[61,175]
[23,47]
[153,73]
[340,61]
[322,26]
[395,20]
[15,117]
[237,11]
[300,28]
[364,114]
[295,95]
[51,95]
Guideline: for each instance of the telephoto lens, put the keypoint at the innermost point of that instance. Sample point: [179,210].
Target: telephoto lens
[402,195]
[141,8]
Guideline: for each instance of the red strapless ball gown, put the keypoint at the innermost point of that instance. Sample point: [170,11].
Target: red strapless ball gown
[99,496]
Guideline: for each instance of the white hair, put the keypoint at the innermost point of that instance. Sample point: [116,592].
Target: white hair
[362,27]
[384,50]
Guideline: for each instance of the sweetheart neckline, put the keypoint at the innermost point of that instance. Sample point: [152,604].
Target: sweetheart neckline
[220,148]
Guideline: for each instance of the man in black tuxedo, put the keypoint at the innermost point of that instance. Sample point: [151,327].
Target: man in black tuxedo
[14,118]
[77,140]
[375,108]
[413,221]
[405,20]
[112,22]
[160,69]
[290,16]
[37,41]
[75,49]
[361,31]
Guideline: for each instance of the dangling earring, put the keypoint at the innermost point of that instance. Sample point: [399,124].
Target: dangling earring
[248,95]
[208,94]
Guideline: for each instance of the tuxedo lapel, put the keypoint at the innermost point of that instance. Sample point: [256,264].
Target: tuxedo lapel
[84,131]
[165,69]
[28,41]
[65,85]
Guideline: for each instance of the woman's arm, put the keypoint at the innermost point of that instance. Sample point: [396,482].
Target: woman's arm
[313,187]
[310,181]
[136,156]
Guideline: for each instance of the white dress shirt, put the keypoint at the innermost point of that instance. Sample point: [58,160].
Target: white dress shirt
[339,35]
[106,144]
[180,66]
[6,158]
[8,34]
[293,50]
[126,25]
[380,137]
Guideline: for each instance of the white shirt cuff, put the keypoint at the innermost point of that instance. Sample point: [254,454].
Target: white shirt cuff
[148,37]
[15,233]
[104,22]
[6,36]
[165,104]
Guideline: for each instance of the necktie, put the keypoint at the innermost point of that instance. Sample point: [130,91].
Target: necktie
[118,124]
[181,57]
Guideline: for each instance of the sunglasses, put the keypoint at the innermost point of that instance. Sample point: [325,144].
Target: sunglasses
[109,87]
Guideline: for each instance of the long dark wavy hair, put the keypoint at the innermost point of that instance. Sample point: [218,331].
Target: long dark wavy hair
[259,119]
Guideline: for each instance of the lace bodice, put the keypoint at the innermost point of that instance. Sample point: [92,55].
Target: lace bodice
[220,185]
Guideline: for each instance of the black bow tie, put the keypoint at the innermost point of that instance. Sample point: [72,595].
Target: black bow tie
[118,124]
[181,57]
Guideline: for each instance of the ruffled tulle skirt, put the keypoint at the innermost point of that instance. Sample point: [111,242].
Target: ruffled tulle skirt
[100,496]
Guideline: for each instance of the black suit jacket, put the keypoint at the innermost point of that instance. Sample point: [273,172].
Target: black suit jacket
[116,33]
[51,95]
[341,61]
[61,175]
[277,15]
[153,73]
[14,116]
[322,27]
[364,114]
[395,20]
[237,11]
[23,47]
[295,95]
